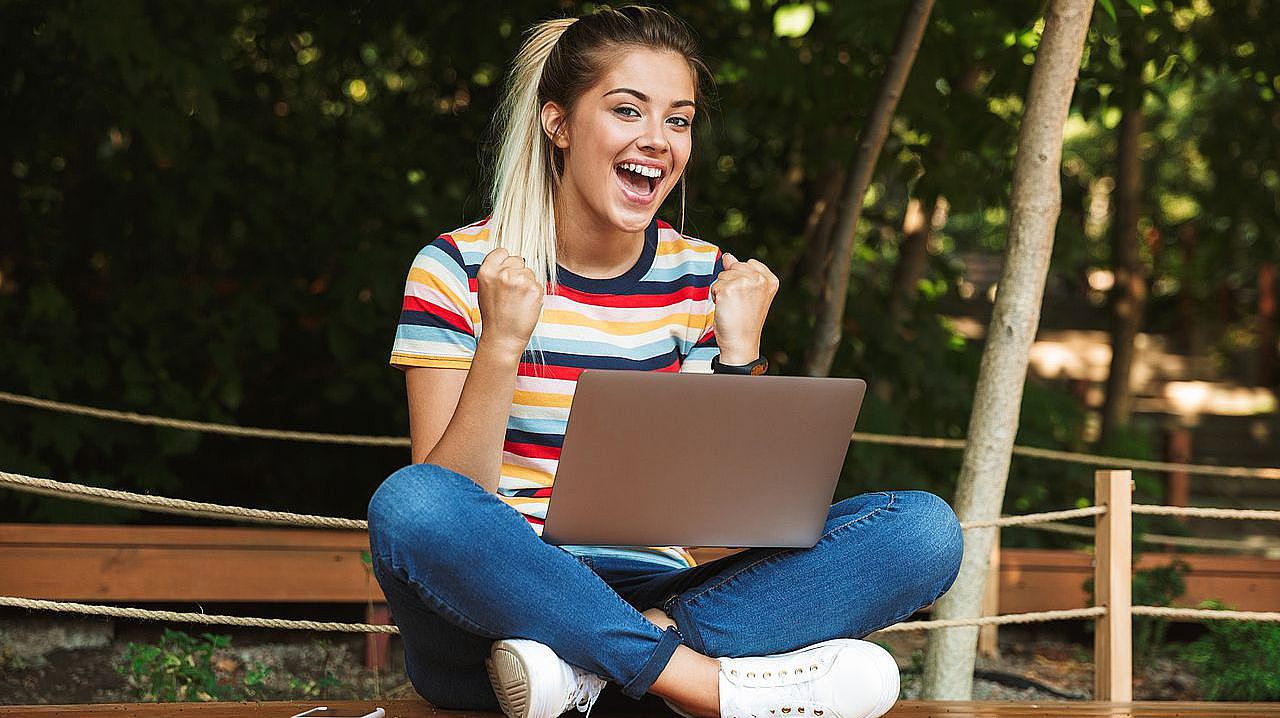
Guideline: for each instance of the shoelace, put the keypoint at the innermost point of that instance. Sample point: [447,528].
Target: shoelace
[797,700]
[587,692]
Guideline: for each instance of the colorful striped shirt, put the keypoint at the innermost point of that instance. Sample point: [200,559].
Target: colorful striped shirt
[657,316]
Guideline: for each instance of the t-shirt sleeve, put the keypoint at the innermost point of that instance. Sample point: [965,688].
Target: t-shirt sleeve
[437,319]
[704,349]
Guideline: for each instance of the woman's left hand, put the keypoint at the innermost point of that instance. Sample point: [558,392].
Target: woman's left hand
[742,294]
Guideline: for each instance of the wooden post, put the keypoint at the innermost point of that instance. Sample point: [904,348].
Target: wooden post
[377,646]
[1113,559]
[1178,483]
[988,636]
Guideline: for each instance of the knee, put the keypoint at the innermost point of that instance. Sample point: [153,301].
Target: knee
[931,538]
[417,505]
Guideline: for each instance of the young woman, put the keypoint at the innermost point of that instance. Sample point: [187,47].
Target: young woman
[572,272]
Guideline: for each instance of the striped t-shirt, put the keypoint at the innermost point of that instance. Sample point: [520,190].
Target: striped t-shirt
[655,317]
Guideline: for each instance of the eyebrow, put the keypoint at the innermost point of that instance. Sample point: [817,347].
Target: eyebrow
[645,98]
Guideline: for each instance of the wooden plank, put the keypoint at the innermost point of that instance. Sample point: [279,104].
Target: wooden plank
[154,563]
[1113,571]
[420,709]
[179,536]
[1045,579]
[148,573]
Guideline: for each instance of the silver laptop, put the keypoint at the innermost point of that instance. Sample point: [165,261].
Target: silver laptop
[668,459]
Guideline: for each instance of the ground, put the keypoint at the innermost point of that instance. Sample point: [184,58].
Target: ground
[1034,665]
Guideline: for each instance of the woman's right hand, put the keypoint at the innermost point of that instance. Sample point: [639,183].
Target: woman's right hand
[510,299]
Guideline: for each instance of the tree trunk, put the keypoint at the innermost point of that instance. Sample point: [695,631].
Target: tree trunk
[1129,292]
[818,228]
[993,423]
[913,255]
[831,300]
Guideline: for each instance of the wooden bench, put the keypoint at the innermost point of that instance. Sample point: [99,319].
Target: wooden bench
[141,564]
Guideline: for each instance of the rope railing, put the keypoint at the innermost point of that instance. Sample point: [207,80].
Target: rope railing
[1076,457]
[924,442]
[1040,518]
[1197,614]
[1112,571]
[163,504]
[146,614]
[208,427]
[1258,544]
[203,509]
[1113,509]
[1012,618]
[1202,512]
[1046,521]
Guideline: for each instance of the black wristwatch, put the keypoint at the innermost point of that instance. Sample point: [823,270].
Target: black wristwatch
[755,368]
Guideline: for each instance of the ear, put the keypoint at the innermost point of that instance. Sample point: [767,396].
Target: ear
[554,125]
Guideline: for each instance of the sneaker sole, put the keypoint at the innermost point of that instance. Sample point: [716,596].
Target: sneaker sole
[510,681]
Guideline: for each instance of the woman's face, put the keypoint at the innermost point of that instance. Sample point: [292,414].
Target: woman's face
[629,137]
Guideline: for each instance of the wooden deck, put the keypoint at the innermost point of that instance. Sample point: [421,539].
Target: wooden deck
[419,709]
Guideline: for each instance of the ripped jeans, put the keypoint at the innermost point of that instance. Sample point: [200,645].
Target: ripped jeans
[460,569]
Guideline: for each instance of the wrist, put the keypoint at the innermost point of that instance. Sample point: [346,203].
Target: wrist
[506,351]
[737,355]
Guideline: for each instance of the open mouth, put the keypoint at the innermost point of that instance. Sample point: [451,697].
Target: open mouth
[637,179]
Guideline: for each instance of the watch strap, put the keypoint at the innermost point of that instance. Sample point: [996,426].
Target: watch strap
[755,368]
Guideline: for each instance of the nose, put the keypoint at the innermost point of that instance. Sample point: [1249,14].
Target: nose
[654,138]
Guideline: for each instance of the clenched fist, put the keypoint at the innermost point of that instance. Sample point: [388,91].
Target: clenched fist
[510,298]
[742,294]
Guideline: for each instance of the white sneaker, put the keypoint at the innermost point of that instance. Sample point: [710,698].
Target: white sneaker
[841,678]
[531,681]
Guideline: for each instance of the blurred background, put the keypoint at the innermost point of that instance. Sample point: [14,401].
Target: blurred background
[207,211]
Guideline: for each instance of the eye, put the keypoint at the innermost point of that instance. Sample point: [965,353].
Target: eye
[626,111]
[680,121]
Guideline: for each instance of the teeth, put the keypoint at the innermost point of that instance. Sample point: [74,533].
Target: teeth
[652,172]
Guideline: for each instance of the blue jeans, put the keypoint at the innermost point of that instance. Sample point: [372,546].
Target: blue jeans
[460,569]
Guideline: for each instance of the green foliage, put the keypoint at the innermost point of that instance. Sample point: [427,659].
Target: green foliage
[10,660]
[179,668]
[1159,586]
[255,681]
[1237,660]
[210,209]
[913,677]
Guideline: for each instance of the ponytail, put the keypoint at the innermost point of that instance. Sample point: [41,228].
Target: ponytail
[524,217]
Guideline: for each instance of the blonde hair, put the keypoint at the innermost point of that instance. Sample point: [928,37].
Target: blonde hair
[558,61]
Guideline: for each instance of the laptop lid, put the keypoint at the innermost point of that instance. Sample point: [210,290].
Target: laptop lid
[659,459]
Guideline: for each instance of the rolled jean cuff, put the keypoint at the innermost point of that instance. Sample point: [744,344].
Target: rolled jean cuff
[653,668]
